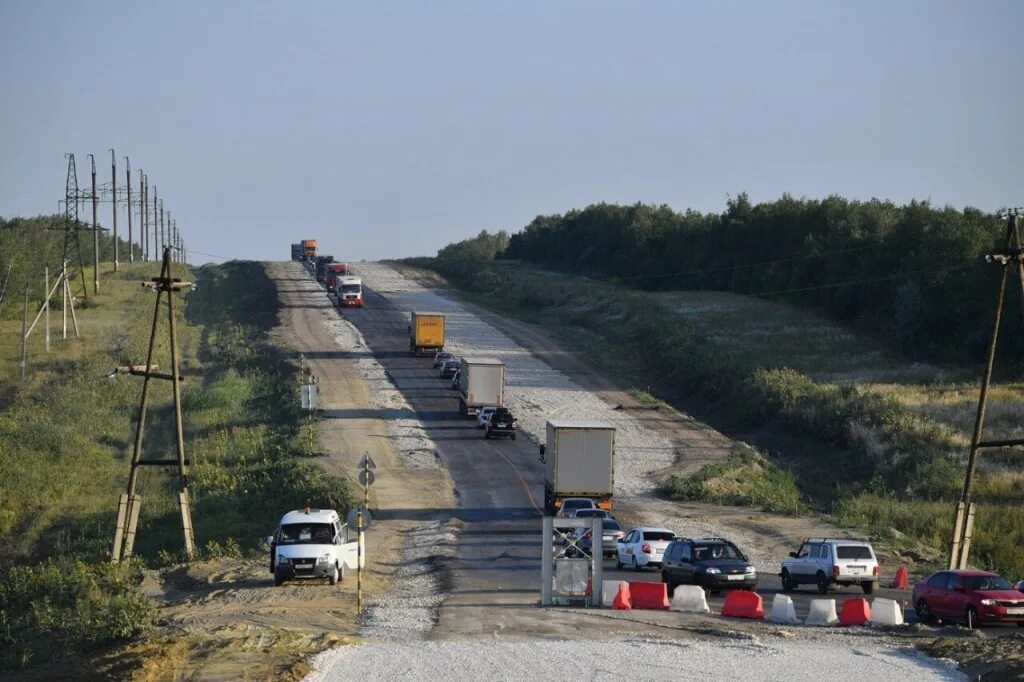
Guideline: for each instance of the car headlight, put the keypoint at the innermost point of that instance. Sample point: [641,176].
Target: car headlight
[750,569]
[988,602]
[283,560]
[712,570]
[323,558]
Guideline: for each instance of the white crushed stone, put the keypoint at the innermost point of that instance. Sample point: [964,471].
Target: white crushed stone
[409,607]
[500,658]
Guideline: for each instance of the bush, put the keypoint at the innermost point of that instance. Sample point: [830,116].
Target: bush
[746,479]
[62,607]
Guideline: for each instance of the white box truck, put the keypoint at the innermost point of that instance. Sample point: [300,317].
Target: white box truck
[481,384]
[579,461]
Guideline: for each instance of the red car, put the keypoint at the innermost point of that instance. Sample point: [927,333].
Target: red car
[974,597]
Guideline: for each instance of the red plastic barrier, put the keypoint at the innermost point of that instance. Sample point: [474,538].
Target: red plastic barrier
[855,612]
[649,595]
[623,600]
[743,604]
[901,581]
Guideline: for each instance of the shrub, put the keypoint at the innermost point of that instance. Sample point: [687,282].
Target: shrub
[62,607]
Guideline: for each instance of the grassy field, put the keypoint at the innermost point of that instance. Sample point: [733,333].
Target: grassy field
[65,447]
[848,426]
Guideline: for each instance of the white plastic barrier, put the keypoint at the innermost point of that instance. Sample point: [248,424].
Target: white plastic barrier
[609,588]
[783,611]
[886,612]
[689,599]
[823,612]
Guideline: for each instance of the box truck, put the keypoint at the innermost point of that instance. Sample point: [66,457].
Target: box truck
[320,269]
[426,333]
[335,271]
[481,383]
[579,461]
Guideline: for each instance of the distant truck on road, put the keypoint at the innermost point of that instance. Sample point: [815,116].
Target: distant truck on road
[309,249]
[321,264]
[350,292]
[297,251]
[335,271]
[481,384]
[579,461]
[426,333]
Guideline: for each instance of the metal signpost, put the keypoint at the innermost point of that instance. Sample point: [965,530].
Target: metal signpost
[558,566]
[362,522]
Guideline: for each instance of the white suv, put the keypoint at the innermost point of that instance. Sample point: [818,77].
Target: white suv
[831,561]
[311,543]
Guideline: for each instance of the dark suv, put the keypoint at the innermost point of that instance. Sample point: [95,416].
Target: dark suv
[501,423]
[713,563]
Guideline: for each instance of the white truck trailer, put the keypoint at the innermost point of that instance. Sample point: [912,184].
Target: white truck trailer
[579,461]
[481,384]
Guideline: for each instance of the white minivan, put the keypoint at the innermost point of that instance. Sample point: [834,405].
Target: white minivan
[312,543]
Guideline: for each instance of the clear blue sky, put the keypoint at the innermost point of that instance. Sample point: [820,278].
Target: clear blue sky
[387,129]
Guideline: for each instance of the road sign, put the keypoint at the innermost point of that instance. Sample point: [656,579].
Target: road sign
[365,477]
[367,462]
[353,522]
[310,396]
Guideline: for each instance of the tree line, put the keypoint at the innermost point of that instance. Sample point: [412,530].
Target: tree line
[914,274]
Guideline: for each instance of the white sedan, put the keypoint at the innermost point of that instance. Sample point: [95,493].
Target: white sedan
[642,547]
[484,416]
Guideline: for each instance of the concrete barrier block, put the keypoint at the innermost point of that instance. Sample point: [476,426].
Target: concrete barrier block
[689,599]
[886,612]
[823,612]
[783,611]
[609,588]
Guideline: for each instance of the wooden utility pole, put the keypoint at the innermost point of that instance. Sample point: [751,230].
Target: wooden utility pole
[95,231]
[130,502]
[128,188]
[113,203]
[1012,256]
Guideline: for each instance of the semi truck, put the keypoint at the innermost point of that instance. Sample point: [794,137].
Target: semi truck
[335,271]
[349,291]
[321,267]
[426,333]
[297,251]
[309,249]
[579,461]
[481,384]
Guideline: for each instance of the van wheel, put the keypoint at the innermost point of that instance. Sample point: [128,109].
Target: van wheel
[334,575]
[278,581]
[869,588]
[822,583]
[788,584]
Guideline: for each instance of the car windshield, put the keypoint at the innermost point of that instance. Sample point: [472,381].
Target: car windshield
[715,550]
[305,534]
[350,288]
[987,583]
[658,536]
[854,552]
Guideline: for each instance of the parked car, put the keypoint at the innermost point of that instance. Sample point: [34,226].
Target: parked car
[440,356]
[975,597]
[571,504]
[713,563]
[643,548]
[484,416]
[311,543]
[449,368]
[501,423]
[611,533]
[827,562]
[455,380]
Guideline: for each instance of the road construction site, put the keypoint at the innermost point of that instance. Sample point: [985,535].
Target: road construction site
[457,529]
